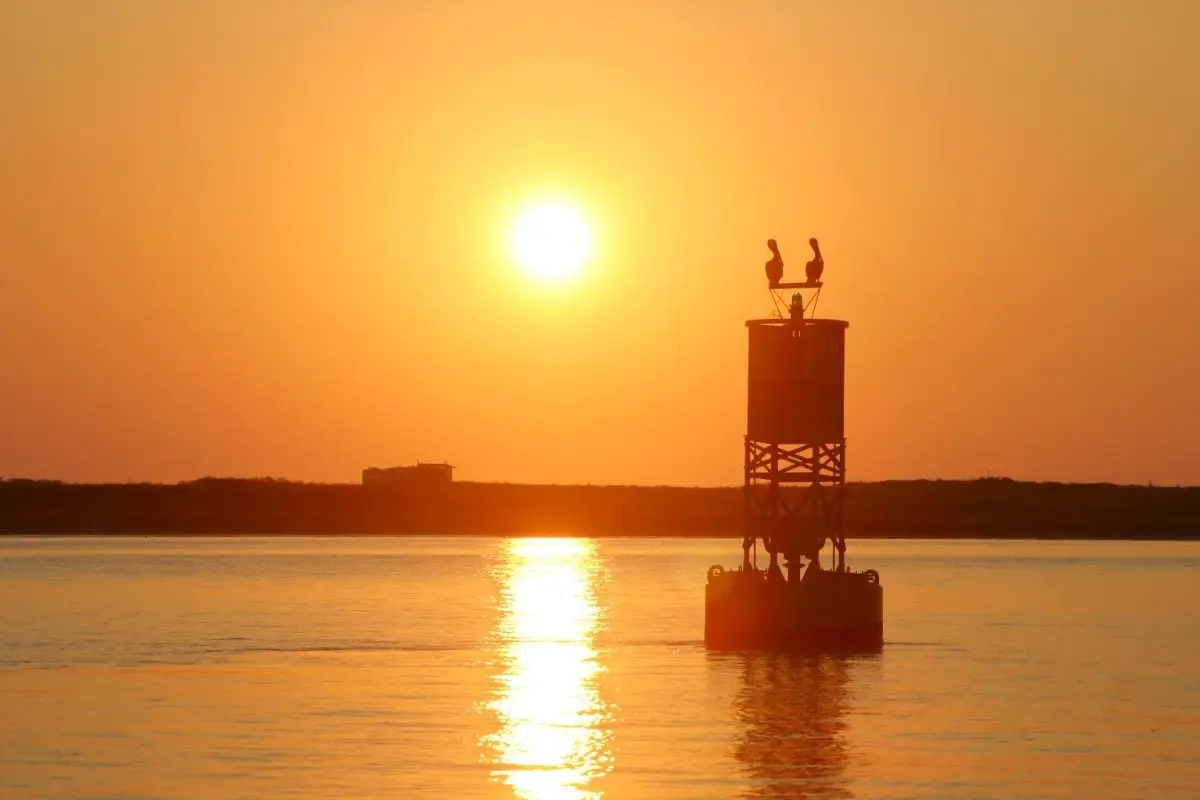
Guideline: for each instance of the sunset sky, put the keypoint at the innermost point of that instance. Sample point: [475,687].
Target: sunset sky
[270,237]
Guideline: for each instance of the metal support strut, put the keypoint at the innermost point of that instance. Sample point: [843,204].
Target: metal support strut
[793,501]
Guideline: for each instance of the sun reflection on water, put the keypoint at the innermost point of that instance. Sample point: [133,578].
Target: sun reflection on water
[552,739]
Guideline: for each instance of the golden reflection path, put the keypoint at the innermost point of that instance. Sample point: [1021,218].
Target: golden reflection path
[552,738]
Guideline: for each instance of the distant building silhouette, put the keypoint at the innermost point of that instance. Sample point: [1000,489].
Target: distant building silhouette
[423,474]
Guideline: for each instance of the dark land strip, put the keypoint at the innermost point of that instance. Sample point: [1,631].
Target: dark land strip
[984,508]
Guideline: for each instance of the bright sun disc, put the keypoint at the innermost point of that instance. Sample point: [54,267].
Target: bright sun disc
[552,240]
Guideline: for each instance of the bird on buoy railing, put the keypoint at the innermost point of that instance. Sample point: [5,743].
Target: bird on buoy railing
[775,265]
[814,268]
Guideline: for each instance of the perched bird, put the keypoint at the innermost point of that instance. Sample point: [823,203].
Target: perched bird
[814,268]
[775,265]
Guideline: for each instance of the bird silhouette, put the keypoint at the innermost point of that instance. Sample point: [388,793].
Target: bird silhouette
[814,268]
[775,265]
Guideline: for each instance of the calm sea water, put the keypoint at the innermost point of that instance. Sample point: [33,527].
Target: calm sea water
[572,668]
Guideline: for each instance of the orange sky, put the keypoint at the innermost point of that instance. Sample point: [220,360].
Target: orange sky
[267,238]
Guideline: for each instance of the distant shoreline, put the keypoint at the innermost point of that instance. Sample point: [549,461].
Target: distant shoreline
[566,535]
[984,509]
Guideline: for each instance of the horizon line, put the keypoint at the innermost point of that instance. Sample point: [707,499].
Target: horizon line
[282,480]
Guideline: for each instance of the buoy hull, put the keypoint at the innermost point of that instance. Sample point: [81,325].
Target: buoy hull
[824,612]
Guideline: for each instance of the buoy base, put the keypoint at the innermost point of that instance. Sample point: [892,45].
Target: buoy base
[822,612]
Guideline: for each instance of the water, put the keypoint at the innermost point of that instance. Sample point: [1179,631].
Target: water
[571,668]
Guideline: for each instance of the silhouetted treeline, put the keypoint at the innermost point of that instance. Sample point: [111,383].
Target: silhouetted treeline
[993,507]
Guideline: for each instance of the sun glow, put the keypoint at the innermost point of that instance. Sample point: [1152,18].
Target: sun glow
[552,739]
[552,240]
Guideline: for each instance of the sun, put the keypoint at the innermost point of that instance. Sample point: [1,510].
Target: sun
[551,240]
